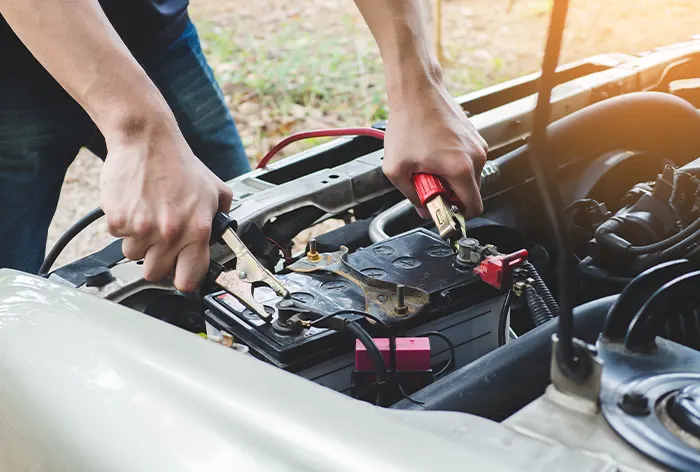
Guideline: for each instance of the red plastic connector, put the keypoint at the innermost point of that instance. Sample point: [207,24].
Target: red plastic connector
[494,270]
[412,354]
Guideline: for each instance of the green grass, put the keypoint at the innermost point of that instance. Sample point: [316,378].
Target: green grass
[300,78]
[341,75]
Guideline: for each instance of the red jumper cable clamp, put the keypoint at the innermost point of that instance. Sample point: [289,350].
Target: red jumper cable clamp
[442,205]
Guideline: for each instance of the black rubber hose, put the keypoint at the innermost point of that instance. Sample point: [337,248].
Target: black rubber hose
[485,387]
[67,237]
[589,270]
[538,308]
[652,123]
[542,289]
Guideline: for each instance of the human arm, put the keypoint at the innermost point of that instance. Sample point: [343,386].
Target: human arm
[154,191]
[427,131]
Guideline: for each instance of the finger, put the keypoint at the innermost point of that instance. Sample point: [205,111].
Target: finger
[134,248]
[402,177]
[192,266]
[423,213]
[225,198]
[116,223]
[159,262]
[466,189]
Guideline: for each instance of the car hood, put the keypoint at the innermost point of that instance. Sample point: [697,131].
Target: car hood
[86,384]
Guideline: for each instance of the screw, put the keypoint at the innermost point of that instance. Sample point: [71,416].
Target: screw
[242,275]
[634,404]
[401,308]
[313,254]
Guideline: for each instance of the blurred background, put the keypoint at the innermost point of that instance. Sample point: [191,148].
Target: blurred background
[289,66]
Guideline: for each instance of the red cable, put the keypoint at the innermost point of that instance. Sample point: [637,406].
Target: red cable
[319,133]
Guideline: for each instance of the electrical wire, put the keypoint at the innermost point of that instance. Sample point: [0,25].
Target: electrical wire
[381,372]
[503,317]
[67,237]
[350,311]
[450,345]
[682,246]
[546,184]
[319,133]
[691,230]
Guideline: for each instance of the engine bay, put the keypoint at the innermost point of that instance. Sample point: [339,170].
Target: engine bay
[381,309]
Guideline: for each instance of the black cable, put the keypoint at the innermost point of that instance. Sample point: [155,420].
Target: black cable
[67,237]
[680,247]
[542,289]
[551,199]
[350,311]
[503,317]
[450,346]
[691,230]
[377,360]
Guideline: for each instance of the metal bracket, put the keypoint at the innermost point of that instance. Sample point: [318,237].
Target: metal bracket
[381,296]
[588,388]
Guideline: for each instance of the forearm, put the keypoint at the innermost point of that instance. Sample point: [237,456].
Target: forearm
[75,42]
[399,30]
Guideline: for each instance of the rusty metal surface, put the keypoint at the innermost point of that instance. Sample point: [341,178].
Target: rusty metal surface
[380,295]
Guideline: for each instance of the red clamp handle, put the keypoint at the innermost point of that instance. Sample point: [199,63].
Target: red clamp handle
[495,270]
[429,186]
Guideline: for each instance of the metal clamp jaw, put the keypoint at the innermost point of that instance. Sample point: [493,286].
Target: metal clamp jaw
[249,272]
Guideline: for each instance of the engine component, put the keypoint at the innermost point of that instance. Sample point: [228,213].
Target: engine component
[658,222]
[437,296]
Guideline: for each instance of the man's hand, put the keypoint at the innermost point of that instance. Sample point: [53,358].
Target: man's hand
[161,199]
[154,191]
[427,132]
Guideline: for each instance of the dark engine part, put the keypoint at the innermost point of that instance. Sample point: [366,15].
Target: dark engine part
[485,387]
[657,222]
[649,389]
[458,305]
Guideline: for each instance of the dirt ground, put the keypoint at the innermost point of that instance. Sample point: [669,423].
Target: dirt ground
[292,65]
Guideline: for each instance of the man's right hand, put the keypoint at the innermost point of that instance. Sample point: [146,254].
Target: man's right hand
[161,199]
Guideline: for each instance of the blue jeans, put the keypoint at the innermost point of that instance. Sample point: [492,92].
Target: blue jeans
[42,129]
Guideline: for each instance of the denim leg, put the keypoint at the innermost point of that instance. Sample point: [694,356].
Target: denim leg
[41,131]
[187,82]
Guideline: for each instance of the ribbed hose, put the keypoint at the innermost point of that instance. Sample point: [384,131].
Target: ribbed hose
[542,289]
[538,309]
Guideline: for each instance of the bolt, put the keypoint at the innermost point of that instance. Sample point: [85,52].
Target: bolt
[242,275]
[634,404]
[313,254]
[401,308]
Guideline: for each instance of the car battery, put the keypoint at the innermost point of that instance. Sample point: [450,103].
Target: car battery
[418,258]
